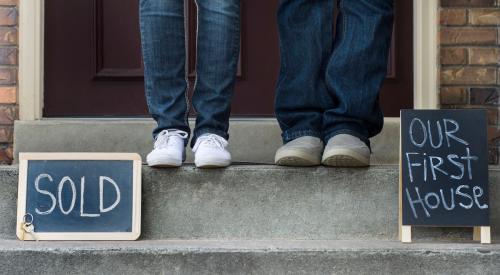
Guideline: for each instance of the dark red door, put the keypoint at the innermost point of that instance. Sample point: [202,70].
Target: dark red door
[93,64]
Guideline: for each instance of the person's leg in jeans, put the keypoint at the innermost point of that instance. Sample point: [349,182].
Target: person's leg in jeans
[306,38]
[164,54]
[217,59]
[354,77]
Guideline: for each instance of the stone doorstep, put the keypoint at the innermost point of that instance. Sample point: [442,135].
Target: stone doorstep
[251,140]
[254,202]
[247,257]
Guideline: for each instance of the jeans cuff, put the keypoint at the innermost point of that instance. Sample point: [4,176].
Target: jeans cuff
[348,131]
[199,132]
[290,135]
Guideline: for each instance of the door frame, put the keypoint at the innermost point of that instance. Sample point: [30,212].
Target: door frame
[31,57]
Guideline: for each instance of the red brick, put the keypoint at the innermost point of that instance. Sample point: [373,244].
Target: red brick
[493,151]
[493,134]
[472,36]
[453,56]
[467,3]
[453,96]
[8,113]
[8,36]
[6,154]
[485,96]
[8,76]
[484,56]
[8,16]
[453,17]
[493,116]
[469,75]
[6,134]
[8,95]
[8,56]
[484,16]
[9,2]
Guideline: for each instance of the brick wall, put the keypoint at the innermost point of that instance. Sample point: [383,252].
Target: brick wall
[8,76]
[470,60]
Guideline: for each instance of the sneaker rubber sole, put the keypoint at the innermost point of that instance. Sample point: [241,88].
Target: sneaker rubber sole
[345,158]
[296,158]
[161,164]
[212,164]
[164,162]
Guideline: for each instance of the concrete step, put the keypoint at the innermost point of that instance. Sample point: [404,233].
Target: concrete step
[267,202]
[247,257]
[251,140]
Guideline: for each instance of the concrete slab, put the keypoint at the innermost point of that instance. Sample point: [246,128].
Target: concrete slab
[251,140]
[247,257]
[268,202]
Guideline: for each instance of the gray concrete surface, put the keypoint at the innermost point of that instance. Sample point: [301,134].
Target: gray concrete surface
[247,257]
[8,201]
[267,202]
[251,140]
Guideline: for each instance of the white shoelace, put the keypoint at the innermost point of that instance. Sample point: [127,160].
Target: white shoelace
[163,138]
[211,140]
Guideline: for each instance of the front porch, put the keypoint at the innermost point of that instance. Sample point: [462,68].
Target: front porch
[251,140]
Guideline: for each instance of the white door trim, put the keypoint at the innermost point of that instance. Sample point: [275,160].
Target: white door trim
[31,53]
[425,54]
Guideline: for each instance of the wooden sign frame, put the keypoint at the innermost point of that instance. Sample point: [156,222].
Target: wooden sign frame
[480,233]
[112,236]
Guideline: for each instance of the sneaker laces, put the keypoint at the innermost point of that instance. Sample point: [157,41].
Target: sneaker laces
[163,138]
[211,140]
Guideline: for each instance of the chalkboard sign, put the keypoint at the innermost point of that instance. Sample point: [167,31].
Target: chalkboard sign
[444,168]
[79,196]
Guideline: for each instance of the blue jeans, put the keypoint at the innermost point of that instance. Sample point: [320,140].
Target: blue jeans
[331,86]
[164,53]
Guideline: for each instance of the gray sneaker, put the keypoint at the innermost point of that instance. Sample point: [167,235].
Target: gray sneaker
[346,151]
[303,151]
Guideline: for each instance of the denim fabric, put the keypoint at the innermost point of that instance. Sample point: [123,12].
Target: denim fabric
[331,86]
[163,38]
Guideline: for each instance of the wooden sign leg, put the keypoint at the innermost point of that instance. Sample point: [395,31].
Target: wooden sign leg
[485,234]
[476,235]
[482,234]
[406,234]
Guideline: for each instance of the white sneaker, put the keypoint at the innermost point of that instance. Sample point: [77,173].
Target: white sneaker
[302,151]
[210,152]
[346,151]
[169,149]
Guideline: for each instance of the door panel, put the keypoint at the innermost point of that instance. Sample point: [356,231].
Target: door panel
[93,63]
[109,35]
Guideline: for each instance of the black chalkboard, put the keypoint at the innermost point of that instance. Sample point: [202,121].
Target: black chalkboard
[444,168]
[80,195]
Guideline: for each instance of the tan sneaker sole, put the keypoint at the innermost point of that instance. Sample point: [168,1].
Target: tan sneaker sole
[211,164]
[344,158]
[163,164]
[296,158]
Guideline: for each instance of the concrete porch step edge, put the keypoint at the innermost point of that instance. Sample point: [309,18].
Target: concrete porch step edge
[251,140]
[247,257]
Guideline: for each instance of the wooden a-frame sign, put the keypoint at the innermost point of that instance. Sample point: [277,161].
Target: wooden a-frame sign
[443,175]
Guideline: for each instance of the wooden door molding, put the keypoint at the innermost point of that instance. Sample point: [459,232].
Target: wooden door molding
[391,65]
[99,71]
